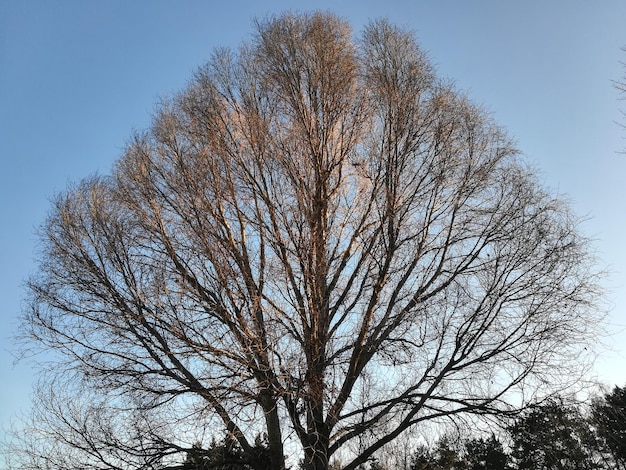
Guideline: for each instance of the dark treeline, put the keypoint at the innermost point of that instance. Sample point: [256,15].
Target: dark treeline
[553,435]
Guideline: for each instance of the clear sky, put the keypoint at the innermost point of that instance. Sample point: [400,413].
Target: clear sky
[76,77]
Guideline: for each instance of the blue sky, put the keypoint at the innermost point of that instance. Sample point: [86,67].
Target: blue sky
[77,77]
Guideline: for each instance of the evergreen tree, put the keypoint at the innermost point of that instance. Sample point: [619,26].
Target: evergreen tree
[609,419]
[486,454]
[553,436]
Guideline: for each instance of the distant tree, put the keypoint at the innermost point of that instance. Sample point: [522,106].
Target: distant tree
[398,454]
[319,241]
[609,419]
[486,454]
[444,456]
[447,455]
[553,436]
[227,455]
[422,459]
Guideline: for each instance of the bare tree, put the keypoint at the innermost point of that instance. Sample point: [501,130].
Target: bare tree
[318,241]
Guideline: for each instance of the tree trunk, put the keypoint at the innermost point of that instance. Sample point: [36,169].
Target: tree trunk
[316,455]
[274,435]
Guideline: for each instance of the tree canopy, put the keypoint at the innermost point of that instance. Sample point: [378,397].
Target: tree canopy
[319,241]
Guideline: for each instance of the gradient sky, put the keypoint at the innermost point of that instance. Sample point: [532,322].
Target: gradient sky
[77,77]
